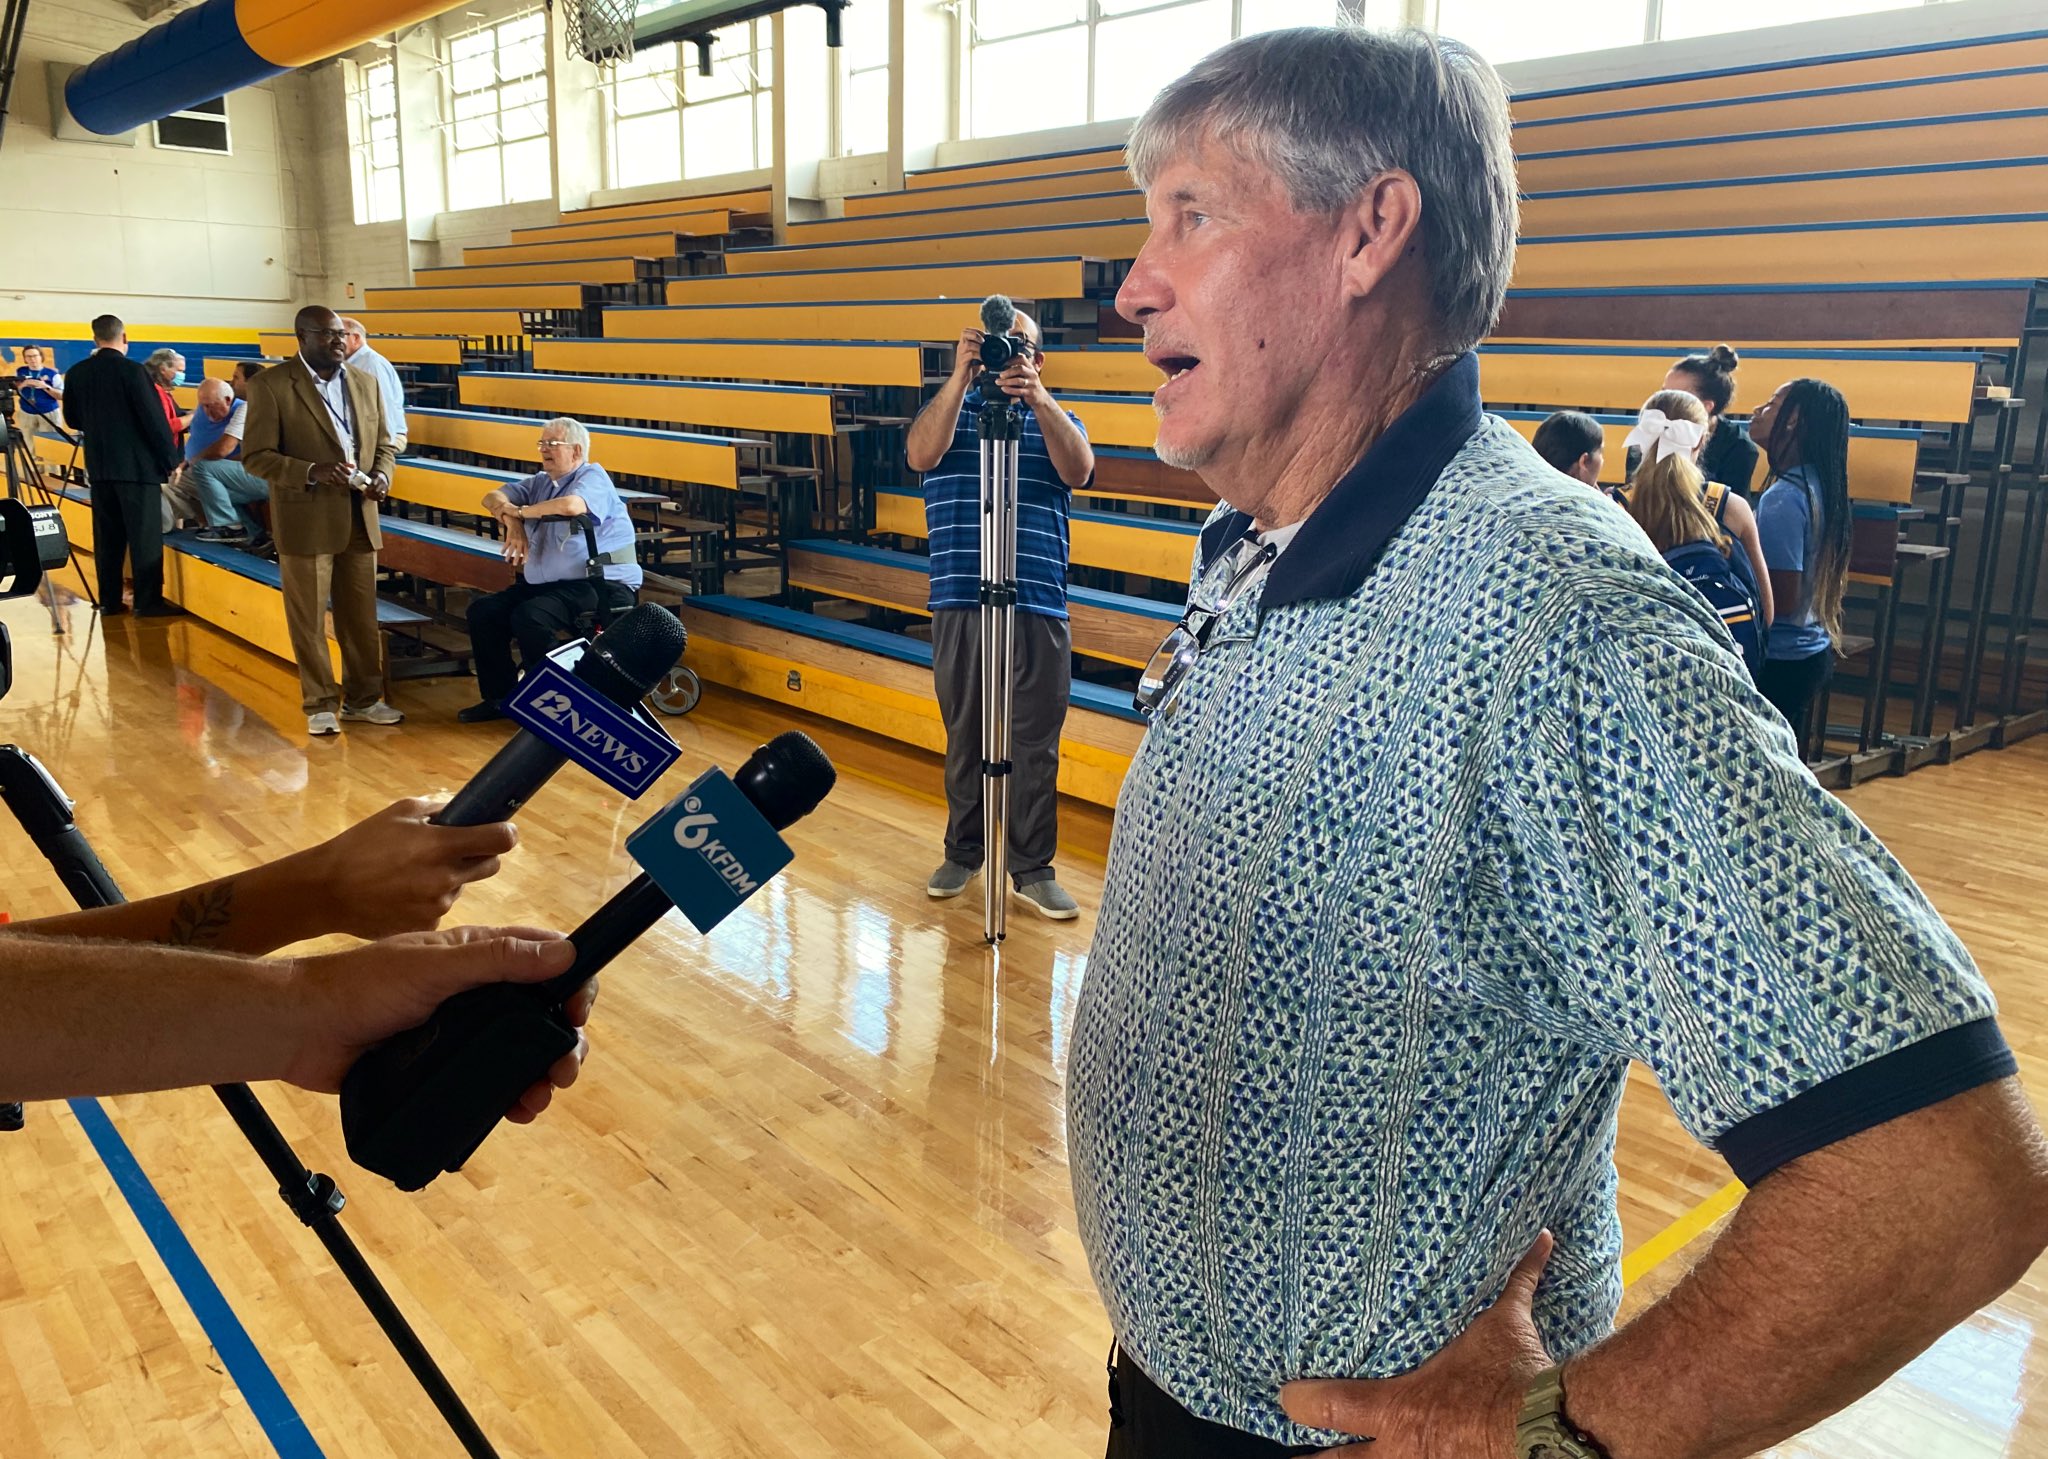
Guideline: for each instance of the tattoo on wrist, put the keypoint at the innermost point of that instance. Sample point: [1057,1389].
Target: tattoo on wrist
[202,916]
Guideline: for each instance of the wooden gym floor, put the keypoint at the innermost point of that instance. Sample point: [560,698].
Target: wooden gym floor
[810,1198]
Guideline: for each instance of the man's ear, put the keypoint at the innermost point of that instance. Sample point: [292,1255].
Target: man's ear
[1380,229]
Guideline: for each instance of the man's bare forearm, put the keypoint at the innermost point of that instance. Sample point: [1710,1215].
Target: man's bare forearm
[115,1018]
[1072,457]
[931,434]
[1835,1271]
[256,911]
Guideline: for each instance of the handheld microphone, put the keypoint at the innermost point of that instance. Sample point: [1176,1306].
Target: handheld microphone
[622,663]
[422,1102]
[998,317]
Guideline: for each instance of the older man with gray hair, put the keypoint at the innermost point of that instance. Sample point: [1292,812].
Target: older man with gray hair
[1455,801]
[541,519]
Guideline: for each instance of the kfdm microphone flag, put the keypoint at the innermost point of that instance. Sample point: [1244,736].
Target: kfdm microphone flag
[709,849]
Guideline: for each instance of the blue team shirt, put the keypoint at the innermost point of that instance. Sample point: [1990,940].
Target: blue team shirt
[555,549]
[952,514]
[34,399]
[1785,524]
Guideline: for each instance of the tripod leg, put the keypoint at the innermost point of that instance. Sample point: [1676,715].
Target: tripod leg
[45,813]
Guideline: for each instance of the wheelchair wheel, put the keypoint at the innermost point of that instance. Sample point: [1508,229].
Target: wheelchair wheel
[677,693]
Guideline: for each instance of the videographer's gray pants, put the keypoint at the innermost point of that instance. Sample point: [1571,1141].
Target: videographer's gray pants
[1044,664]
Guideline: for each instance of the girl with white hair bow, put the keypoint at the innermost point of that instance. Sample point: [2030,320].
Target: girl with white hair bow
[1670,499]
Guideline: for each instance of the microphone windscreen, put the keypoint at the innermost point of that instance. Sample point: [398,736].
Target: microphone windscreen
[629,658]
[786,778]
[997,314]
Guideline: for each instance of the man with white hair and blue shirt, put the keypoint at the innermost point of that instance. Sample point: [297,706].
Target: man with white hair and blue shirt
[1455,801]
[544,538]
[390,389]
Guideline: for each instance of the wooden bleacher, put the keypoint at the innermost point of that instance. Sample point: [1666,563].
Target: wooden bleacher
[923,319]
[1118,239]
[1001,190]
[977,217]
[882,682]
[675,456]
[596,271]
[1114,627]
[1870,194]
[750,206]
[1945,58]
[1009,167]
[602,243]
[767,409]
[809,362]
[2018,133]
[1020,278]
[693,223]
[400,349]
[1996,89]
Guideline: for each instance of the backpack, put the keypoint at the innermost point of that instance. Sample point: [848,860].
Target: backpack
[1727,581]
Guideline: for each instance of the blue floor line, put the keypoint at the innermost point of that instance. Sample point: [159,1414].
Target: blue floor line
[281,1423]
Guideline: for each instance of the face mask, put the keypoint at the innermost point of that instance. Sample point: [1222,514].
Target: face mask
[178,378]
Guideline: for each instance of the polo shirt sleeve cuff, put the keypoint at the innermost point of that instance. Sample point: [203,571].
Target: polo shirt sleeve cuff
[1908,1079]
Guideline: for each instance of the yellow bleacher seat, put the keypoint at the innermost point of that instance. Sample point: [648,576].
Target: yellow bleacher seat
[1942,140]
[1088,208]
[811,363]
[609,245]
[1813,73]
[400,350]
[790,410]
[746,201]
[523,297]
[1112,240]
[1003,190]
[1016,167]
[696,224]
[934,320]
[624,270]
[1847,253]
[1033,278]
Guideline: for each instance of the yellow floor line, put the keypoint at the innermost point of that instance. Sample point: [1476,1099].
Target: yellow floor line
[1679,1234]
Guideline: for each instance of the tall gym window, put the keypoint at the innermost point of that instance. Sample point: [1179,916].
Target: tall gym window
[666,122]
[1037,64]
[497,91]
[862,78]
[374,174]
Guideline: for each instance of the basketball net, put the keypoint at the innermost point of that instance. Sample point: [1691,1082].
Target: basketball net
[600,30]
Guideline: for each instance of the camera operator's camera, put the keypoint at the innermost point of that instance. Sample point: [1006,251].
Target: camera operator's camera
[999,350]
[8,396]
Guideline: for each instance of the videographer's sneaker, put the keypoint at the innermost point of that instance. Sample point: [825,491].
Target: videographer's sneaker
[1049,899]
[950,880]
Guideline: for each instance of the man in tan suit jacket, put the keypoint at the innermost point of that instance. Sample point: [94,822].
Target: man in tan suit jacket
[314,427]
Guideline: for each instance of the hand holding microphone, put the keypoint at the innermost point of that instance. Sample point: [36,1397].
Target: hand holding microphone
[422,1102]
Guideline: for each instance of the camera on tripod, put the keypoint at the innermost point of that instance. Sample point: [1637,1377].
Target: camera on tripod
[999,351]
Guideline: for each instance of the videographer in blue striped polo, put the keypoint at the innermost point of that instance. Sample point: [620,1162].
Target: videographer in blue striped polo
[1455,801]
[1053,458]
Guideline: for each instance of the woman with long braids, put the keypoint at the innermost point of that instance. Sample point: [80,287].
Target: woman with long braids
[1803,520]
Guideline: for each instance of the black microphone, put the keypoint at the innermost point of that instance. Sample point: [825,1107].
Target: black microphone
[421,1103]
[622,663]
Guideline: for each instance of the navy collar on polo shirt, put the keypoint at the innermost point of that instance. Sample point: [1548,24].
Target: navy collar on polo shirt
[1343,537]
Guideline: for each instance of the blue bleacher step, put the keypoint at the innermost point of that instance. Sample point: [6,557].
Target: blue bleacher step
[896,646]
[262,570]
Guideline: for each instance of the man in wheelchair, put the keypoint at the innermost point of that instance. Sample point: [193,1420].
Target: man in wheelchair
[567,532]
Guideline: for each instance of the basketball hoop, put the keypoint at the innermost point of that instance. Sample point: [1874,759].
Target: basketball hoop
[600,30]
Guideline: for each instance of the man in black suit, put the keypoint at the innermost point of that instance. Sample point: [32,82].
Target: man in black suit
[128,456]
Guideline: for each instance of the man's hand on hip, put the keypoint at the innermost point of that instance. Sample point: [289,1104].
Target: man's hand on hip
[1461,1404]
